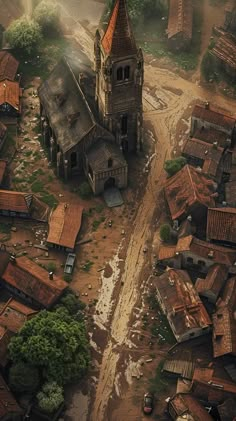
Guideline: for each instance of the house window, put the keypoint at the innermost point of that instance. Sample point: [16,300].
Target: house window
[110,162]
[124,124]
[190,260]
[119,73]
[127,72]
[73,159]
[201,263]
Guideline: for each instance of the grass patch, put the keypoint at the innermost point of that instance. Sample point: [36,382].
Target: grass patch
[159,328]
[37,155]
[99,208]
[97,222]
[160,382]
[67,277]
[5,228]
[49,199]
[28,153]
[51,267]
[85,190]
[37,186]
[87,266]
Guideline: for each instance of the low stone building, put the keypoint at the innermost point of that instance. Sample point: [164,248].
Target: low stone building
[181,304]
[211,286]
[180,24]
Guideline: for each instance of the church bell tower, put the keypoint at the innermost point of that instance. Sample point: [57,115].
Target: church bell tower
[119,79]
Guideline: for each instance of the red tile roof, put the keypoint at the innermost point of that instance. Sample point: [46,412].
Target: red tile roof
[214,116]
[181,301]
[8,66]
[212,135]
[33,281]
[118,39]
[186,189]
[10,93]
[228,298]
[224,332]
[225,50]
[208,387]
[9,408]
[15,201]
[14,315]
[215,279]
[221,224]
[64,225]
[180,18]
[187,407]
[166,252]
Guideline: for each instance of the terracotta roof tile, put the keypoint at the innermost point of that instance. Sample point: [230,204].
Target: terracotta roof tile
[10,93]
[14,315]
[180,18]
[225,50]
[212,135]
[208,387]
[8,66]
[32,280]
[229,295]
[224,332]
[15,201]
[221,224]
[118,39]
[166,252]
[8,405]
[186,189]
[64,225]
[215,279]
[214,116]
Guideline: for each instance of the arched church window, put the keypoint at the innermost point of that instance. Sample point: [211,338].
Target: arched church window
[124,125]
[73,159]
[127,72]
[119,73]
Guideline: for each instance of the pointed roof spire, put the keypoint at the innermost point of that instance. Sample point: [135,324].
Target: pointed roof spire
[118,39]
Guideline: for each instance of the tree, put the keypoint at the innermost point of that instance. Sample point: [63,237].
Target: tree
[50,397]
[174,165]
[23,377]
[165,232]
[47,16]
[55,343]
[24,35]
[139,9]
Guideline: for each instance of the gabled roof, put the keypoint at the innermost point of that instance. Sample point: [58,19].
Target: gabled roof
[224,332]
[221,224]
[33,281]
[215,279]
[118,40]
[64,225]
[212,115]
[225,50]
[15,201]
[66,107]
[180,18]
[212,135]
[8,405]
[187,407]
[14,314]
[208,387]
[187,188]
[10,93]
[100,153]
[8,66]
[228,298]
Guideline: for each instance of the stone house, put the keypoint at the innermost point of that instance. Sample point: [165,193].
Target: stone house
[181,304]
[180,24]
[88,134]
[22,205]
[211,286]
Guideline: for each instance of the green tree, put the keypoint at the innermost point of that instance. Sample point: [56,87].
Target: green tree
[165,232]
[47,16]
[50,397]
[55,343]
[139,9]
[174,165]
[23,377]
[24,35]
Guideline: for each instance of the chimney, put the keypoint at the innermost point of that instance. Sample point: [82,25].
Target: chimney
[50,275]
[207,105]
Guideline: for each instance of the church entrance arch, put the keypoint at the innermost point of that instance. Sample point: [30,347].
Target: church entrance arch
[111,182]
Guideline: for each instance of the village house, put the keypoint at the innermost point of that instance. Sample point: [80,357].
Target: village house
[64,226]
[184,406]
[180,24]
[9,408]
[91,135]
[3,135]
[206,117]
[8,66]
[10,101]
[192,253]
[33,284]
[189,192]
[212,136]
[208,157]
[221,225]
[12,318]
[211,286]
[22,205]
[181,304]
[224,321]
[224,53]
[210,388]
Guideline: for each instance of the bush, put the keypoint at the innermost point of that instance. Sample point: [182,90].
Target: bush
[165,232]
[51,397]
[23,378]
[46,14]
[174,165]
[24,35]
[85,191]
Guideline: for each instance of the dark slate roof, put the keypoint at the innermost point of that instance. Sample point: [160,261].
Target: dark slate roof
[66,107]
[99,154]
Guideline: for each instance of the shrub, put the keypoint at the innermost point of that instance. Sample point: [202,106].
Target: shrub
[46,14]
[85,191]
[165,232]
[51,397]
[24,35]
[23,377]
[174,165]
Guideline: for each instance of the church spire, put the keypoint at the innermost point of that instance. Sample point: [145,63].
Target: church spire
[118,39]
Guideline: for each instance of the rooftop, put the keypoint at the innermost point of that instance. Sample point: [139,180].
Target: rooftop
[224,332]
[185,404]
[180,18]
[215,280]
[221,224]
[227,410]
[100,153]
[228,298]
[214,116]
[66,107]
[8,66]
[118,39]
[225,50]
[186,189]
[230,193]
[208,387]
[212,135]
[64,225]
[14,314]
[181,301]
[10,93]
[26,203]
[33,281]
[8,405]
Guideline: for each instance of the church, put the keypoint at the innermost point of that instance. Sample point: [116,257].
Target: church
[91,119]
